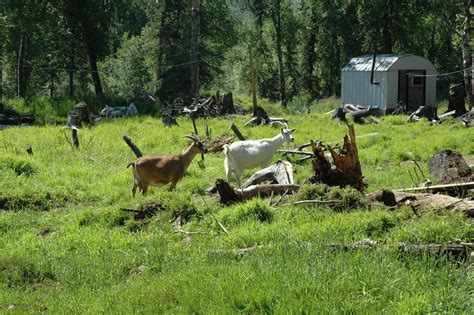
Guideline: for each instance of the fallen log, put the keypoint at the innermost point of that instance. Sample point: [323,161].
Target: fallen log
[230,195]
[279,173]
[238,252]
[436,202]
[306,202]
[457,251]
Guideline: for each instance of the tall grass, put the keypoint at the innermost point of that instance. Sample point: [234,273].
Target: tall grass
[66,245]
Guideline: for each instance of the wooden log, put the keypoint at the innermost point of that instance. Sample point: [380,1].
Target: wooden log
[435,201]
[230,195]
[132,146]
[306,202]
[279,173]
[237,132]
[457,251]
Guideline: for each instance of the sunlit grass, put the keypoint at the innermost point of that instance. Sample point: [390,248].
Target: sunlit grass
[66,245]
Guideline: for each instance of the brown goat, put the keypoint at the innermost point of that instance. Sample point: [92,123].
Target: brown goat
[161,170]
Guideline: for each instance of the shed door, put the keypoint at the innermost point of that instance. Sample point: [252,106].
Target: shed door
[411,89]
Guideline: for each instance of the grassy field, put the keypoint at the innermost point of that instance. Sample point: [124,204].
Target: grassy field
[66,245]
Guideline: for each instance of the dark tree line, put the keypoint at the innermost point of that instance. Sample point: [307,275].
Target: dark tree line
[183,48]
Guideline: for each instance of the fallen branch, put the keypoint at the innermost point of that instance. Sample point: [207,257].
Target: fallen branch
[295,152]
[303,202]
[438,188]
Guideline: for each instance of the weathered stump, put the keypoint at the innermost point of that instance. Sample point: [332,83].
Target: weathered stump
[448,166]
[347,169]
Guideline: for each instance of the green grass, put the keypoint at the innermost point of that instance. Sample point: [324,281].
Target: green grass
[67,247]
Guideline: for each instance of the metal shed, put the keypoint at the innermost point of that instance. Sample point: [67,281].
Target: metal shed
[395,78]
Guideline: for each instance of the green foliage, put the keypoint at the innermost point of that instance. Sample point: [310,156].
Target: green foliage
[127,74]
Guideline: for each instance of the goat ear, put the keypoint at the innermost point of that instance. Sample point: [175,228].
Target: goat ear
[292,130]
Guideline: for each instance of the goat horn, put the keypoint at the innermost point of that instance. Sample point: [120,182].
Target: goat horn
[192,137]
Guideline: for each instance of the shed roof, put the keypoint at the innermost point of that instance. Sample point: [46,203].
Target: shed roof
[364,63]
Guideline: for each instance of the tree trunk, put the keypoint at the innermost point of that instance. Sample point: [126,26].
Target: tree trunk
[276,17]
[310,55]
[387,32]
[195,30]
[92,54]
[467,52]
[254,82]
[21,69]
[1,75]
[71,69]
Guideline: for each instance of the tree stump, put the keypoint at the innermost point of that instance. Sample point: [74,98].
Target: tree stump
[448,166]
[345,168]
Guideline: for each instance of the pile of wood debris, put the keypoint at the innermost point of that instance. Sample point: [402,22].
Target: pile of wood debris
[360,115]
[215,105]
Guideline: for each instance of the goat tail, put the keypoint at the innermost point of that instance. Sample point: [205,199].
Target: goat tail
[225,148]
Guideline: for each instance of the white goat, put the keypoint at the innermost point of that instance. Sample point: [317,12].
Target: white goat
[122,111]
[242,155]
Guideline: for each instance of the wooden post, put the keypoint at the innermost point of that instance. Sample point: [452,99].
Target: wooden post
[254,82]
[132,146]
[194,124]
[237,132]
[75,137]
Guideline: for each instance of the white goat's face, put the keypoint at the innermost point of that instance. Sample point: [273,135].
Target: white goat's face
[287,134]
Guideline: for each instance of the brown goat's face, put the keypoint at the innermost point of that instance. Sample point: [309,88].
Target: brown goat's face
[200,147]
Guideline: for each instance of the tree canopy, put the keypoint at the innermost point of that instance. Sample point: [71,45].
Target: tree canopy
[130,49]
